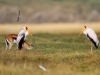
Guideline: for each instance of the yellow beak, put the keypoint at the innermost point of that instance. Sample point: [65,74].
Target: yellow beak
[82,31]
[30,33]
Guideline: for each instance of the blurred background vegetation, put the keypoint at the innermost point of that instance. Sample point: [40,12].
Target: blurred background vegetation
[47,11]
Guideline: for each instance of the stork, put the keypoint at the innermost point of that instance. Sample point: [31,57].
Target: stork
[91,35]
[22,37]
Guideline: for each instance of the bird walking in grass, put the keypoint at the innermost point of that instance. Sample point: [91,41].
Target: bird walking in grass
[22,37]
[91,35]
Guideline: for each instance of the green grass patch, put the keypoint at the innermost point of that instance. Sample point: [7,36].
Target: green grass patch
[61,54]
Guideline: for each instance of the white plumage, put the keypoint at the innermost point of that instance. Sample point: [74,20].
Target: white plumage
[91,35]
[22,37]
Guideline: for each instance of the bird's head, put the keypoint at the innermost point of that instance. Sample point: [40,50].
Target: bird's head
[84,28]
[26,29]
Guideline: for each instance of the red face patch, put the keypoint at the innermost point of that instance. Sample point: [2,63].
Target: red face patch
[85,27]
[26,28]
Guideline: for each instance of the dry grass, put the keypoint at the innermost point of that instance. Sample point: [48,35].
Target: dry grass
[27,62]
[54,28]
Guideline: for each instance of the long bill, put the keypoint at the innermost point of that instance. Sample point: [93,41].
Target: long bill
[30,33]
[82,31]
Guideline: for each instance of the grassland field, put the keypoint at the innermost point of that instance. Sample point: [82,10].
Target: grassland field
[57,47]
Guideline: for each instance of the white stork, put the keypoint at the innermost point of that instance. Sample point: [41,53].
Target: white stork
[91,35]
[22,37]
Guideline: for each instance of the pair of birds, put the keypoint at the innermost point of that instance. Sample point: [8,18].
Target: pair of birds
[20,39]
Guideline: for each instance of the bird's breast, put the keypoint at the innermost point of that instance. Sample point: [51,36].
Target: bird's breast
[18,39]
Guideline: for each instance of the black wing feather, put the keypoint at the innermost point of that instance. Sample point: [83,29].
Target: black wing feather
[92,41]
[21,42]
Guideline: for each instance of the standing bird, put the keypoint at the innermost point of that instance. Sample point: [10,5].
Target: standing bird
[91,35]
[22,37]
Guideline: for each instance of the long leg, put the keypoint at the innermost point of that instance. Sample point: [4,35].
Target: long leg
[91,47]
[10,46]
[7,44]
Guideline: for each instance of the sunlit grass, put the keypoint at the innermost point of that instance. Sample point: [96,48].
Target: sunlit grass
[52,28]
